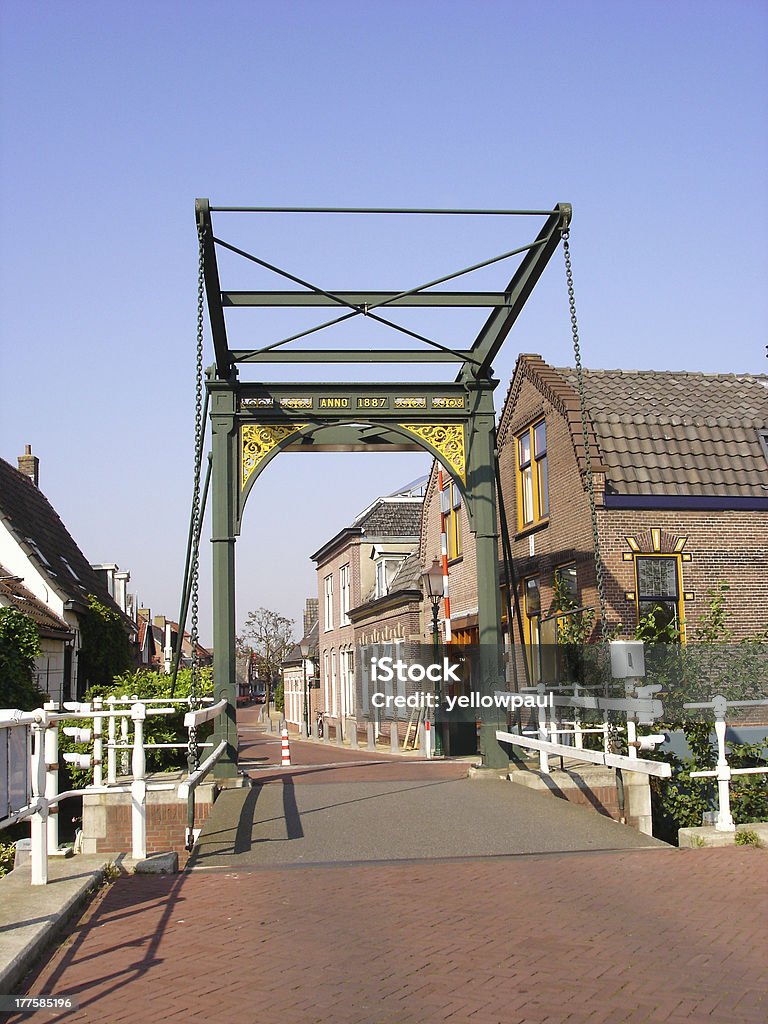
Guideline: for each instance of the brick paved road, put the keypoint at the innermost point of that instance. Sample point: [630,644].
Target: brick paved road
[639,936]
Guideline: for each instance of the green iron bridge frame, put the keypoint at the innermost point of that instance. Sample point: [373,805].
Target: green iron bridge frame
[455,421]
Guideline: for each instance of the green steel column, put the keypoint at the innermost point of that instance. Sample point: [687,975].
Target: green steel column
[225,482]
[482,494]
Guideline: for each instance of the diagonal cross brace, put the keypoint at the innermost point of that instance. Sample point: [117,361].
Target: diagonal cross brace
[499,323]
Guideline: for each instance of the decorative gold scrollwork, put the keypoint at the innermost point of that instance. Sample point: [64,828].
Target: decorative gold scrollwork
[445,438]
[256,442]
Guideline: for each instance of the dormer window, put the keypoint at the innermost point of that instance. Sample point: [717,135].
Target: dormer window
[387,564]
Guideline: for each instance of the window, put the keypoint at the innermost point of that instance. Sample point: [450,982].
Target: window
[347,670]
[451,509]
[658,594]
[334,689]
[328,605]
[344,594]
[566,629]
[566,587]
[532,476]
[386,569]
[532,626]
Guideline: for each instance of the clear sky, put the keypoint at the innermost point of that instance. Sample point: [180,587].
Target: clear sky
[650,118]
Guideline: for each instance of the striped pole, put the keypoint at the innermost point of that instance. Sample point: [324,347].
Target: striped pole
[444,498]
[286,747]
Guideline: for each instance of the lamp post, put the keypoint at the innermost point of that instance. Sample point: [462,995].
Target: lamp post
[433,584]
[304,648]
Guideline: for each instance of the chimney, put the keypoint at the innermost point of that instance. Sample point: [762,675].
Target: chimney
[29,465]
[310,614]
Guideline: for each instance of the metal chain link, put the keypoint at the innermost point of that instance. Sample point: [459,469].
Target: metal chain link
[589,479]
[193,752]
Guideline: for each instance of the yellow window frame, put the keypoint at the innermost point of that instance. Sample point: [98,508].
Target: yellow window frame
[453,523]
[679,602]
[531,476]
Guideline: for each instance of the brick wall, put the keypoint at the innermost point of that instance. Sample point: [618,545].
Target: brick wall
[567,534]
[462,572]
[340,637]
[107,821]
[730,546]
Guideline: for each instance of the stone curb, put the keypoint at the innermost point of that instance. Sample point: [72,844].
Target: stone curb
[48,909]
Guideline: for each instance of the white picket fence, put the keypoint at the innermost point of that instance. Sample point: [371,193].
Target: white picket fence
[29,757]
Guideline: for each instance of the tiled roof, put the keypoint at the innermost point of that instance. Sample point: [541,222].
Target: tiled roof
[293,657]
[679,433]
[408,575]
[15,593]
[34,521]
[391,518]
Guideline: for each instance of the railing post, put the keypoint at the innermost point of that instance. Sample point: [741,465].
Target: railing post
[124,739]
[139,785]
[98,743]
[543,733]
[39,820]
[51,747]
[111,740]
[725,821]
[630,690]
[578,736]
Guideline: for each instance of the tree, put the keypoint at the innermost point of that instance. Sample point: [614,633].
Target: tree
[19,646]
[267,637]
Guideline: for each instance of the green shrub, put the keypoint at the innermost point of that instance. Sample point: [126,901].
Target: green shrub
[19,646]
[7,856]
[747,837]
[157,728]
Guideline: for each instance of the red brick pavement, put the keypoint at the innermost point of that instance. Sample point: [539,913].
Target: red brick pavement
[325,762]
[643,937]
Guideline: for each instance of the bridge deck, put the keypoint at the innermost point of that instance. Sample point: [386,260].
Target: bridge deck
[408,895]
[369,809]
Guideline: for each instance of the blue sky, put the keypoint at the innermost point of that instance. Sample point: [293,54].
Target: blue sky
[649,118]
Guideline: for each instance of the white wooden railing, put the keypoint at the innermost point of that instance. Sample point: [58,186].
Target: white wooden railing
[35,762]
[640,708]
[723,772]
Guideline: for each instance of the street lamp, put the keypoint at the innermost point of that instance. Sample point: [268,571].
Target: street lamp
[304,648]
[433,584]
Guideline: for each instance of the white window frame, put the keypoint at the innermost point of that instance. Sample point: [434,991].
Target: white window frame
[344,594]
[328,605]
[347,674]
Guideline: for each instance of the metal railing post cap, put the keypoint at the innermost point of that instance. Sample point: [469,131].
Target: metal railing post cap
[138,711]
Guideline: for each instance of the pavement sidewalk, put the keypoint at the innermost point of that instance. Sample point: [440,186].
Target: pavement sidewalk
[32,918]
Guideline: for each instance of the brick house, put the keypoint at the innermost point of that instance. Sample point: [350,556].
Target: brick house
[157,640]
[680,467]
[462,558]
[300,675]
[359,564]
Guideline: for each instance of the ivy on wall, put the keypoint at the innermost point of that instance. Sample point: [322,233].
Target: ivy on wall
[105,650]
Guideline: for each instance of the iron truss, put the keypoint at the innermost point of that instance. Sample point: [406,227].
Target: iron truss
[474,362]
